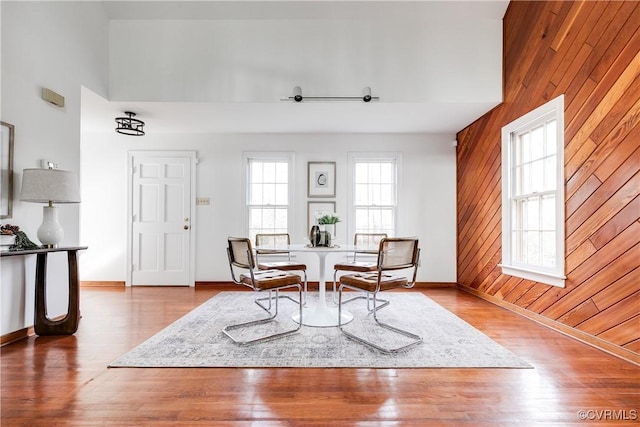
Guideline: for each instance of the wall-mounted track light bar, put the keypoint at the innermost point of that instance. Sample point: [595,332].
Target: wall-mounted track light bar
[298,97]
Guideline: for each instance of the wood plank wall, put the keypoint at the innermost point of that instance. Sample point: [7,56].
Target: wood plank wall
[588,51]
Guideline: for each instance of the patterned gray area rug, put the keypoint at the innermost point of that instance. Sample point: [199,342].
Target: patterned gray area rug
[196,340]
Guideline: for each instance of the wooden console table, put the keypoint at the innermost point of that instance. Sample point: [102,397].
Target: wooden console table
[42,324]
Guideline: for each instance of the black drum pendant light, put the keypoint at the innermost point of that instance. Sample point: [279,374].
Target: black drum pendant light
[129,125]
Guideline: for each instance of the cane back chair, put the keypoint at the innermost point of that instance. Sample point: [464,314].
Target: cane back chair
[276,240]
[244,272]
[367,243]
[394,255]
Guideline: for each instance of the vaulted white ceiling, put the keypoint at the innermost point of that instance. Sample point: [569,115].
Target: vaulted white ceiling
[224,66]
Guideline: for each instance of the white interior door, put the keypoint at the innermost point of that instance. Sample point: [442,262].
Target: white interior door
[161,220]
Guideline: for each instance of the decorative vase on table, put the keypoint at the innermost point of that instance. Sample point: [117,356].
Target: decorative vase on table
[314,235]
[324,237]
[327,226]
[331,229]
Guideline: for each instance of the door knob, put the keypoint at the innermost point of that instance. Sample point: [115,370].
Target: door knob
[186,227]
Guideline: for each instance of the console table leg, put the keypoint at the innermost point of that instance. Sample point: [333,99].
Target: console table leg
[69,324]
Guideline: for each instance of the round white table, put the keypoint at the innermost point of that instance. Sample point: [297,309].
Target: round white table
[320,315]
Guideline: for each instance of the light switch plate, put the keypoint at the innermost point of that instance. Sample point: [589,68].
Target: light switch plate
[203,201]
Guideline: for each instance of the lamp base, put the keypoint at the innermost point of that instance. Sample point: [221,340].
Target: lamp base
[50,232]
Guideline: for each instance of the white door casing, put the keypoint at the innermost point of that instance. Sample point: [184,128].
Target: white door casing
[161,212]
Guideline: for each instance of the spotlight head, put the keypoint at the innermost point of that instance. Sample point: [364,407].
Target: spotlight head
[366,94]
[297,94]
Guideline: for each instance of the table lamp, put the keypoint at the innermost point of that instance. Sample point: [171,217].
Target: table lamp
[50,186]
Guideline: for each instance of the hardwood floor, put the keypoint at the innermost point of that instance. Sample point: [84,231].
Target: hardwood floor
[64,381]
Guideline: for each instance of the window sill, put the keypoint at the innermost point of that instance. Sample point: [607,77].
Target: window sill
[536,276]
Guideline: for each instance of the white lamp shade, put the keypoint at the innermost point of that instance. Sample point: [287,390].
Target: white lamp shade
[49,185]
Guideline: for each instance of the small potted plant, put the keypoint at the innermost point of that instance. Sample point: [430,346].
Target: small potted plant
[327,218]
[327,221]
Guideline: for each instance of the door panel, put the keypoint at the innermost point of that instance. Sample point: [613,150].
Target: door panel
[161,221]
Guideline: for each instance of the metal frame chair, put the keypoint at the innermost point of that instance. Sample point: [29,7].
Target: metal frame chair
[393,254]
[370,242]
[240,256]
[276,240]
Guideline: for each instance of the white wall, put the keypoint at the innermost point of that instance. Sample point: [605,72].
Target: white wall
[414,59]
[65,45]
[61,46]
[427,196]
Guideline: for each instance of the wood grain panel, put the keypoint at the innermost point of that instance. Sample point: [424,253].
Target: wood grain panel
[604,213]
[578,314]
[580,255]
[604,94]
[618,143]
[623,333]
[624,36]
[582,194]
[606,19]
[567,26]
[598,198]
[628,145]
[623,287]
[617,314]
[607,125]
[602,263]
[616,225]
[596,108]
[589,51]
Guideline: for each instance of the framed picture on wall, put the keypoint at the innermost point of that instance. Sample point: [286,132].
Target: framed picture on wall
[321,179]
[313,208]
[6,172]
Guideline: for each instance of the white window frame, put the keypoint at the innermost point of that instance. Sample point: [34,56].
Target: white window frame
[373,157]
[554,276]
[289,157]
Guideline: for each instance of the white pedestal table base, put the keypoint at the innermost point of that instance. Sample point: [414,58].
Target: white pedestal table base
[321,315]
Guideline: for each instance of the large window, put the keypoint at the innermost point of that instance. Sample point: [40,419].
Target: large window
[374,188]
[533,195]
[268,193]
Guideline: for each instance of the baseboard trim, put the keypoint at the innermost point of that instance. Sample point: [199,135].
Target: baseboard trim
[583,337]
[313,285]
[101,284]
[435,285]
[120,284]
[215,284]
[23,333]
[18,335]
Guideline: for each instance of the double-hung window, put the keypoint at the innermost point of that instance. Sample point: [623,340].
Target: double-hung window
[533,195]
[374,187]
[268,192]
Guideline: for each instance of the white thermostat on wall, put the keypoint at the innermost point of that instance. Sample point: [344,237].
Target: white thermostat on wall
[48,164]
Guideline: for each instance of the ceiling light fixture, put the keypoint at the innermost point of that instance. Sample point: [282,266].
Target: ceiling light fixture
[129,125]
[297,96]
